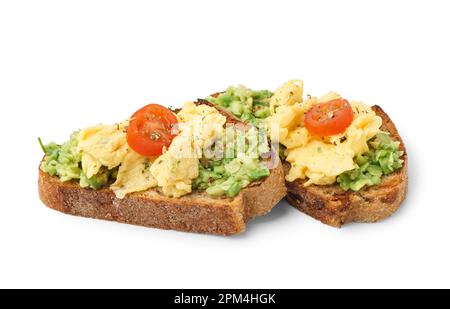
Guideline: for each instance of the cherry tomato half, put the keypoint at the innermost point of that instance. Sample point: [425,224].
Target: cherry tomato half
[150,130]
[329,118]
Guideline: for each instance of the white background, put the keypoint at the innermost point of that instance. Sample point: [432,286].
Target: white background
[69,64]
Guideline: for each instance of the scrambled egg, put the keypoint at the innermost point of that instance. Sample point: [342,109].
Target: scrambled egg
[133,175]
[202,124]
[102,145]
[320,159]
[175,174]
[287,94]
[175,169]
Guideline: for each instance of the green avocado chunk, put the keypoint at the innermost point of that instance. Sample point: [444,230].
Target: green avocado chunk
[64,161]
[383,158]
[246,104]
[229,176]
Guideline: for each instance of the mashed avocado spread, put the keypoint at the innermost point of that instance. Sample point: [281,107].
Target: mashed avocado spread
[383,158]
[229,176]
[246,104]
[64,161]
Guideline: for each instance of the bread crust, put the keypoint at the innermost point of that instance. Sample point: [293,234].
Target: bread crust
[230,117]
[332,205]
[195,212]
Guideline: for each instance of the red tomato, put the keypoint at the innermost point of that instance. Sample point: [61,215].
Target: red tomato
[150,130]
[329,118]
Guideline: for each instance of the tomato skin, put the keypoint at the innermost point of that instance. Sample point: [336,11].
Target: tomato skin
[150,130]
[329,118]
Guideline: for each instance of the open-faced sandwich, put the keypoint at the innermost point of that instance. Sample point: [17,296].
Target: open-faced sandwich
[344,161]
[189,170]
[209,167]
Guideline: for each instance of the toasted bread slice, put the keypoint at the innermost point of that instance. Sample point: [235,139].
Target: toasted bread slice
[333,206]
[195,212]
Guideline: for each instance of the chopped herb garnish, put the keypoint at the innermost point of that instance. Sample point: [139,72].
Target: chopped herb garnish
[146,164]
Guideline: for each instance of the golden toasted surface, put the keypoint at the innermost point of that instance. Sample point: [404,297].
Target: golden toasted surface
[333,206]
